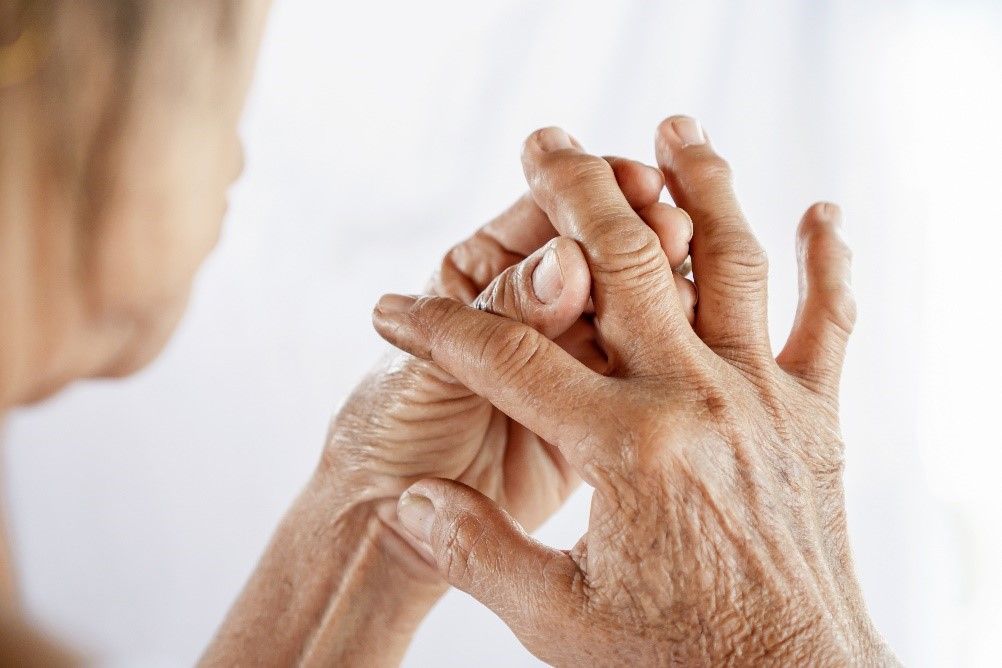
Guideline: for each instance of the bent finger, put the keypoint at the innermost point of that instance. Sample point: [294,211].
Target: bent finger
[549,290]
[524,374]
[815,351]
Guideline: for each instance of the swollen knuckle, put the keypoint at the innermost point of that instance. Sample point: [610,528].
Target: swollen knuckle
[842,310]
[820,238]
[619,244]
[566,172]
[710,167]
[735,249]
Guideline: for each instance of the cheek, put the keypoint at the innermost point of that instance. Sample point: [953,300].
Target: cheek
[146,339]
[152,238]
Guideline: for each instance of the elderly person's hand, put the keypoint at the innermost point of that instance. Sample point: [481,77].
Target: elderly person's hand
[717,531]
[340,585]
[410,419]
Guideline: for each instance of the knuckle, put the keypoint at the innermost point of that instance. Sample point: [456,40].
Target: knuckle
[710,167]
[631,251]
[824,246]
[617,238]
[679,217]
[841,309]
[735,249]
[820,227]
[433,314]
[565,172]
[511,349]
[464,549]
[822,213]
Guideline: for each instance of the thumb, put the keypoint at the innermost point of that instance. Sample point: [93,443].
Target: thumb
[549,290]
[480,549]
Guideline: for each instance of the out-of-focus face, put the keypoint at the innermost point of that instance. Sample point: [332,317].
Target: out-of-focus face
[132,112]
[175,156]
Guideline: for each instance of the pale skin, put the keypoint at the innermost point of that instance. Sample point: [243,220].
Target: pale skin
[98,248]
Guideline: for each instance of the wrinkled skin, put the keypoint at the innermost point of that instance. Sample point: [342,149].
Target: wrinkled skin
[361,585]
[717,532]
[409,419]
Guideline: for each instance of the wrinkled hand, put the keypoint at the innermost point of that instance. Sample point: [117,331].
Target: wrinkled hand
[717,532]
[410,420]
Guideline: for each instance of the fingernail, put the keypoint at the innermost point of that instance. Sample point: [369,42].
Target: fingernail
[832,213]
[553,139]
[417,514]
[391,305]
[689,131]
[547,279]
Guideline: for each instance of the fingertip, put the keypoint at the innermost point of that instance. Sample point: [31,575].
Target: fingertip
[547,291]
[425,487]
[577,276]
[560,308]
[416,513]
[682,131]
[821,216]
[391,307]
[823,250]
[665,130]
[395,318]
[546,140]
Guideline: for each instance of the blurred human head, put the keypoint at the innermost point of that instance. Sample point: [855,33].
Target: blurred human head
[118,142]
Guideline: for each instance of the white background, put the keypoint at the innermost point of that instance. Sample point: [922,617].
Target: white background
[379,133]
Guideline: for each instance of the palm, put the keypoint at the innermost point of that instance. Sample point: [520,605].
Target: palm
[430,425]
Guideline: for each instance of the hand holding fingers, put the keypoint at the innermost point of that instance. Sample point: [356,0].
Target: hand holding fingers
[524,374]
[717,465]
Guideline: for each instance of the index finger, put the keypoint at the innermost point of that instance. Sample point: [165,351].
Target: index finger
[520,371]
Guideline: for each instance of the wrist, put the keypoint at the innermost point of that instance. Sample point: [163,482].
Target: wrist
[382,588]
[335,586]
